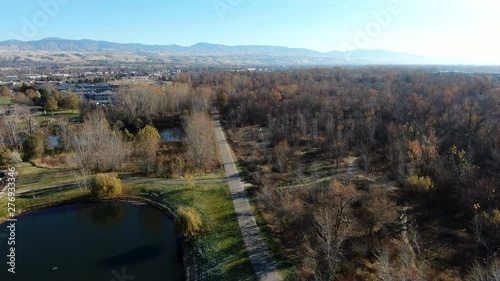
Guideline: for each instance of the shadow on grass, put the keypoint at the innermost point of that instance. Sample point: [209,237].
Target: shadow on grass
[239,268]
[170,197]
[48,177]
[230,262]
[47,192]
[219,253]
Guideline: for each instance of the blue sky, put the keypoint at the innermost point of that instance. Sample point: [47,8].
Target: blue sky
[443,28]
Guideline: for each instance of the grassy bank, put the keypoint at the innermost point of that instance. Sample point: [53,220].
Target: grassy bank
[219,252]
[34,200]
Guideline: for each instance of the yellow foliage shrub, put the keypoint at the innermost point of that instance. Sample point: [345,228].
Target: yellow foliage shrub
[493,217]
[106,185]
[421,184]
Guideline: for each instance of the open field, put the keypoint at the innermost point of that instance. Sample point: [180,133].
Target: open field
[30,176]
[69,114]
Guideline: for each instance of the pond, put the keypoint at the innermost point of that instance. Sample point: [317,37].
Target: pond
[53,141]
[171,134]
[97,241]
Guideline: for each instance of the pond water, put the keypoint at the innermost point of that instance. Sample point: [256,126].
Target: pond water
[52,141]
[171,134]
[98,241]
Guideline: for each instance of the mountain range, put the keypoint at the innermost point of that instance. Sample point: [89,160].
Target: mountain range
[56,50]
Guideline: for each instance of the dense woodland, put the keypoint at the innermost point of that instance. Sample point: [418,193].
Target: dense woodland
[431,141]
[434,136]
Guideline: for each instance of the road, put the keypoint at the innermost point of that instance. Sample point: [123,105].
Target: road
[262,263]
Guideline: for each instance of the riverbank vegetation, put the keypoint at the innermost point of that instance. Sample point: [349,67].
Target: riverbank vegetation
[106,185]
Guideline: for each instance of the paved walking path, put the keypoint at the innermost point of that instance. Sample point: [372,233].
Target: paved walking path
[262,262]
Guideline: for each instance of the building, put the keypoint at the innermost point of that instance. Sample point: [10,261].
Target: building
[9,85]
[102,92]
[34,76]
[103,96]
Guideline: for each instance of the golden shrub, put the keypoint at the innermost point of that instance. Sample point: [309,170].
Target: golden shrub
[187,222]
[106,185]
[420,184]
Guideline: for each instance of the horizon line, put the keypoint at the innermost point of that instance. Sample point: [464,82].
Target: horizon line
[226,45]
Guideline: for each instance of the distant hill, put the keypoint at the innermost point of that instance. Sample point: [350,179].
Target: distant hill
[56,50]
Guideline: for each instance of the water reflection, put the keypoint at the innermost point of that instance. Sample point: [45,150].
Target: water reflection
[153,220]
[108,214]
[172,134]
[139,254]
[53,141]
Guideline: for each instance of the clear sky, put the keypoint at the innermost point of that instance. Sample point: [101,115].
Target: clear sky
[443,28]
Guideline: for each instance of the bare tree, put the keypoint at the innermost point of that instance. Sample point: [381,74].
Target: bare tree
[380,208]
[396,260]
[201,99]
[147,144]
[62,131]
[489,272]
[202,152]
[95,146]
[5,91]
[13,123]
[28,118]
[333,222]
[282,152]
[367,140]
[137,105]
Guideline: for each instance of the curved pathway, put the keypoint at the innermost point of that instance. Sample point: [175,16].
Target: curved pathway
[262,262]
